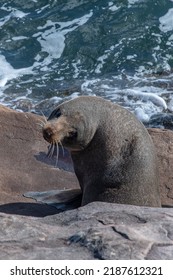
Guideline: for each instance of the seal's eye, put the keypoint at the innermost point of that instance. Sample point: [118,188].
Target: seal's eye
[72,134]
[55,114]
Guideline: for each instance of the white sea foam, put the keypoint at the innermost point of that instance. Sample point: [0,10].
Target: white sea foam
[74,94]
[166,21]
[43,8]
[131,57]
[144,101]
[18,38]
[85,87]
[18,14]
[7,72]
[76,66]
[52,40]
[14,13]
[101,62]
[113,7]
[131,2]
[147,96]
[141,115]
[53,43]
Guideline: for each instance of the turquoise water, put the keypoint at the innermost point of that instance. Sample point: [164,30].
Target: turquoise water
[54,50]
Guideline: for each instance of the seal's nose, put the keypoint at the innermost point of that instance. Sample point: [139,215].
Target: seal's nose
[47,134]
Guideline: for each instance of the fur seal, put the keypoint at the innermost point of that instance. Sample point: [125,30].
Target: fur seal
[113,154]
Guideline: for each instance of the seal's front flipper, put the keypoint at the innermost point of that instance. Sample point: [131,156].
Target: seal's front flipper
[61,199]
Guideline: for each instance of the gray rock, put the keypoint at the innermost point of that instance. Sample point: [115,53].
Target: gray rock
[95,231]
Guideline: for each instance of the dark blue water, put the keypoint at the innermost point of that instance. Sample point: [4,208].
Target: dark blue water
[54,50]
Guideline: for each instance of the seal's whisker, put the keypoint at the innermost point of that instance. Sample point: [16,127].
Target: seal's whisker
[45,119]
[57,153]
[62,148]
[40,128]
[40,125]
[53,149]
[43,122]
[50,150]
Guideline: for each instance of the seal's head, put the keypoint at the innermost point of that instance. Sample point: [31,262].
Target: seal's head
[69,125]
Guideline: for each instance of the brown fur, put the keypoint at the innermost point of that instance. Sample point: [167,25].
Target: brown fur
[113,154]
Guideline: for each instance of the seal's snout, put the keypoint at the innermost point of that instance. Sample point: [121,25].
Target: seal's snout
[47,134]
[54,131]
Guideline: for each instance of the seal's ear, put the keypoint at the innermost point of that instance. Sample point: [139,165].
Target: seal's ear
[55,114]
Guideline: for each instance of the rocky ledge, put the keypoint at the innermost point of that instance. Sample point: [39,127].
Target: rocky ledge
[95,231]
[31,230]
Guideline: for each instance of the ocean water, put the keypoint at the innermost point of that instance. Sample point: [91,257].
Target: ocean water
[54,50]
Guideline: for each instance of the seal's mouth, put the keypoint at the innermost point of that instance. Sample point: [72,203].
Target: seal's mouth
[53,133]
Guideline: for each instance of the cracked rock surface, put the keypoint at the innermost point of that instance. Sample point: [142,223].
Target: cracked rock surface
[96,231]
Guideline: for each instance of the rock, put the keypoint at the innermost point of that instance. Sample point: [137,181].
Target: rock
[24,166]
[163,140]
[96,231]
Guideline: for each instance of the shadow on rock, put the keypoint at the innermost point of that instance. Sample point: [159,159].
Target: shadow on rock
[64,160]
[29,209]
